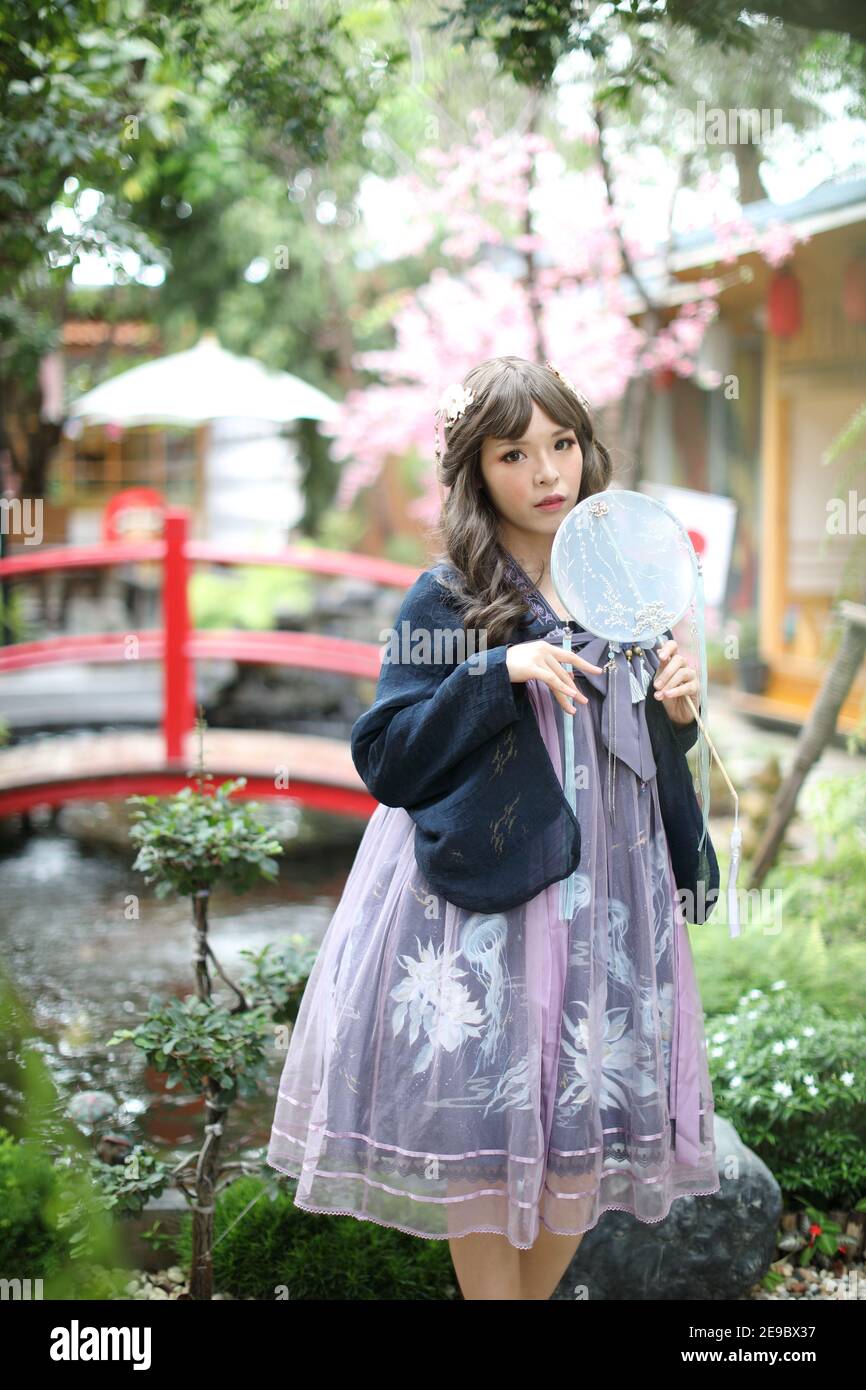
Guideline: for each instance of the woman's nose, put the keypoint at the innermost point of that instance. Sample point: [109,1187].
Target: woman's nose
[547,471]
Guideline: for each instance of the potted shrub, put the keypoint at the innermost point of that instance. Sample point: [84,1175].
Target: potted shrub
[752,673]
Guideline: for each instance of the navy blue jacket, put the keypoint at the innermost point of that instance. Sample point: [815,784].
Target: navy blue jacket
[458,745]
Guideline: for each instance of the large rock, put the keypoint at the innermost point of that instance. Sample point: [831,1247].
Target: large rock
[707,1248]
[310,702]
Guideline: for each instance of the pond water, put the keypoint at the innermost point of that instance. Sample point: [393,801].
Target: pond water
[83,968]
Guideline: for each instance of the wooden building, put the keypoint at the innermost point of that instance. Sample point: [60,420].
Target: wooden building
[794,341]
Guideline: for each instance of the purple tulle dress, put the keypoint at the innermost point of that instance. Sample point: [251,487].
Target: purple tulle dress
[455,1071]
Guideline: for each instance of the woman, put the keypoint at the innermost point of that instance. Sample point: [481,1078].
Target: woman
[469,1061]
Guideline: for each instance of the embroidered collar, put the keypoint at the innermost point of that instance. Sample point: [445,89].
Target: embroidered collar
[535,598]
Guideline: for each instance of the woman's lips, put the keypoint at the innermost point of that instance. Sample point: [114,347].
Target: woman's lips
[551,505]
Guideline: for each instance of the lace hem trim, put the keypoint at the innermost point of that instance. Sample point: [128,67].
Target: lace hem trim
[493,1230]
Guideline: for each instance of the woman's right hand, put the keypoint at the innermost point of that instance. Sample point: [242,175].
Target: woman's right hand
[544,661]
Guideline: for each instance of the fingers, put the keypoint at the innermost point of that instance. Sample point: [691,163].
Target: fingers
[683,681]
[564,687]
[675,676]
[582,662]
[563,654]
[686,687]
[664,673]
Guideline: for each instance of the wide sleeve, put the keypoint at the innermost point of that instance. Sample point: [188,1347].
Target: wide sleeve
[430,710]
[687,734]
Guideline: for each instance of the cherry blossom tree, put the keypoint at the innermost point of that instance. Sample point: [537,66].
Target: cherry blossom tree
[543,266]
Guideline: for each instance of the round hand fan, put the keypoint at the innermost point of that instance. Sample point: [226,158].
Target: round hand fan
[625,569]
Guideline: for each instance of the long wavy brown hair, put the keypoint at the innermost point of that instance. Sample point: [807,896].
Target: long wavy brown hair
[467,533]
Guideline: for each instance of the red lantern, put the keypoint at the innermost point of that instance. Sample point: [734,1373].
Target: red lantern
[854,290]
[136,513]
[784,305]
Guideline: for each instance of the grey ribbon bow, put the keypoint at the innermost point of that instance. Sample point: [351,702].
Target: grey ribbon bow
[629,740]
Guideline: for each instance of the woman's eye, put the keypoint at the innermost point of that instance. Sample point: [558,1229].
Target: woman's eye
[506,458]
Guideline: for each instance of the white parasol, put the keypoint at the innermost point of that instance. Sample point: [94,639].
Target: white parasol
[203,383]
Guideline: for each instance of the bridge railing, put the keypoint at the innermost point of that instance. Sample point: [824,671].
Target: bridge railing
[177,644]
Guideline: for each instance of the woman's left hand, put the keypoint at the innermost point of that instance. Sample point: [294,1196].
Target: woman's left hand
[673,681]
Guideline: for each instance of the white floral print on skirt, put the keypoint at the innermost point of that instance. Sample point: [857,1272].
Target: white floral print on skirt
[452,1072]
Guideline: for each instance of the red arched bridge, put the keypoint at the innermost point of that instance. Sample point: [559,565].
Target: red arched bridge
[317,772]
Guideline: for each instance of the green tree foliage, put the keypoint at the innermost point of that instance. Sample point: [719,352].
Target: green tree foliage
[176,113]
[530,38]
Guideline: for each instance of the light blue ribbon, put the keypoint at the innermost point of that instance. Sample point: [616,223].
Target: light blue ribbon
[566,886]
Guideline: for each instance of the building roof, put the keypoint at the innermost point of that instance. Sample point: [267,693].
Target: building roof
[835,203]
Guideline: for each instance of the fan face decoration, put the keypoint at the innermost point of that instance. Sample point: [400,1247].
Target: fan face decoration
[624,566]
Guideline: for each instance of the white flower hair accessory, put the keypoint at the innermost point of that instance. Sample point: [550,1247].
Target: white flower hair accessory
[452,405]
[571,386]
[454,402]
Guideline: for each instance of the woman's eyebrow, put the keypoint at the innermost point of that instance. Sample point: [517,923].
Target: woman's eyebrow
[564,429]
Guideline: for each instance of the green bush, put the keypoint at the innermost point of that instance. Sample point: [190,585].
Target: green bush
[792,1081]
[278,975]
[13,611]
[835,886]
[30,1245]
[48,1220]
[51,1217]
[247,596]
[266,1248]
[812,931]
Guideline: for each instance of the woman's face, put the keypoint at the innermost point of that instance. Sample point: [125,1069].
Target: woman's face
[519,474]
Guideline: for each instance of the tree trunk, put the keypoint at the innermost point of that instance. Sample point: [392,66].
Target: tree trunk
[814,737]
[748,158]
[201,1271]
[206,1173]
[637,407]
[531,281]
[202,974]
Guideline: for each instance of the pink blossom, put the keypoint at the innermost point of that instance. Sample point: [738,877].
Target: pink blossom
[469,202]
[777,242]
